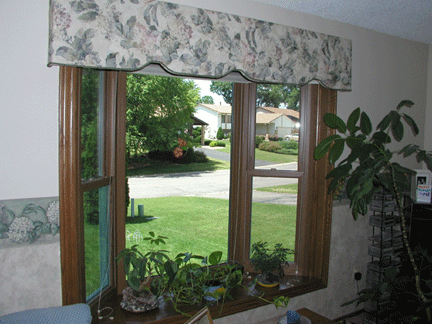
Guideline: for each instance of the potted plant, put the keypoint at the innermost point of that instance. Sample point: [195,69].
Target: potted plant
[193,279]
[270,262]
[142,293]
[370,166]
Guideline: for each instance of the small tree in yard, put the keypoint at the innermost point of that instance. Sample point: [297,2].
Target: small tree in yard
[220,134]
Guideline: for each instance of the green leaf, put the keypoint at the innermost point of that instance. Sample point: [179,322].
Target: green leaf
[365,124]
[398,130]
[411,123]
[215,257]
[336,151]
[353,119]
[409,150]
[407,103]
[335,122]
[381,137]
[324,146]
[385,122]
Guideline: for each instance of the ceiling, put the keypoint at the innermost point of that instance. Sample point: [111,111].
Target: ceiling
[410,19]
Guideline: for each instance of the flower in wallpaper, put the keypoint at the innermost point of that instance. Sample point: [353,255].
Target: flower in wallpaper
[22,230]
[31,223]
[53,213]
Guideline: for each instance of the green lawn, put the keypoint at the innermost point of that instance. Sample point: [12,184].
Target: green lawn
[193,224]
[159,167]
[264,155]
[285,189]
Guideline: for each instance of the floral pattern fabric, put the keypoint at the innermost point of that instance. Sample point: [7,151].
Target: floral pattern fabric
[131,34]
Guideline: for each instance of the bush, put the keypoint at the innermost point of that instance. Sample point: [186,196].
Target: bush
[270,146]
[207,142]
[217,143]
[289,145]
[275,138]
[258,140]
[220,134]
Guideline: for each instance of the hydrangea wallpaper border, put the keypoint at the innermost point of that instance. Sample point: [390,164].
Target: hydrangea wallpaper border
[28,221]
[187,41]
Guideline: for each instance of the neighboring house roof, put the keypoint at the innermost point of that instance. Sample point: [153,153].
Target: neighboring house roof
[287,112]
[222,109]
[198,121]
[262,118]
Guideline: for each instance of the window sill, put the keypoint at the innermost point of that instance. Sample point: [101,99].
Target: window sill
[242,301]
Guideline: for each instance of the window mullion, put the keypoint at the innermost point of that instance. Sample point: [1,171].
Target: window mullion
[240,182]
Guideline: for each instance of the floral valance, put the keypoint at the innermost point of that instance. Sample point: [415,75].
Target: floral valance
[131,34]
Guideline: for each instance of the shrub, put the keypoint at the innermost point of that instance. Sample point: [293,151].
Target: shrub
[275,138]
[289,145]
[217,143]
[220,134]
[207,142]
[270,146]
[258,140]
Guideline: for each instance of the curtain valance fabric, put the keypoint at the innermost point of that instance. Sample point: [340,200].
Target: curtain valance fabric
[131,34]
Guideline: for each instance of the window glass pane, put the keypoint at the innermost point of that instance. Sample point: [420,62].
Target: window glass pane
[277,127]
[178,188]
[91,125]
[274,211]
[96,233]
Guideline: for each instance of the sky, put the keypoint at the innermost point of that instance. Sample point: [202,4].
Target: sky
[205,91]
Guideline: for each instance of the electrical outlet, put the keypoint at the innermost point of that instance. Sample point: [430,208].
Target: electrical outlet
[357,276]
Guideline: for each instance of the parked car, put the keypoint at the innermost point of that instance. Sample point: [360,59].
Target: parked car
[292,137]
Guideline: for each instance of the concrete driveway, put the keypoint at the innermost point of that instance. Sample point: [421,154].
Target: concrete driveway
[214,184]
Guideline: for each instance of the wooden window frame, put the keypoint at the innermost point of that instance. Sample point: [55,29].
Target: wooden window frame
[314,261]
[71,185]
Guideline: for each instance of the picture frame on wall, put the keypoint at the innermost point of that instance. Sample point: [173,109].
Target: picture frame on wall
[421,186]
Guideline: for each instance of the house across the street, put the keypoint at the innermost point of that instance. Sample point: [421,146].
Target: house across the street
[269,121]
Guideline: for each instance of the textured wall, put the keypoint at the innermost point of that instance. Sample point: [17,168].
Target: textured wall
[30,274]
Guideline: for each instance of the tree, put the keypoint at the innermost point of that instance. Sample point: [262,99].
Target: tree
[89,142]
[159,110]
[270,95]
[220,134]
[207,100]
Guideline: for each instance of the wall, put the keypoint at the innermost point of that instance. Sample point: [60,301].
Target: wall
[385,70]
[30,275]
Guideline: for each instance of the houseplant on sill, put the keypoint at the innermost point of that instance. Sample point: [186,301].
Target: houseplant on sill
[143,291]
[193,279]
[370,166]
[270,262]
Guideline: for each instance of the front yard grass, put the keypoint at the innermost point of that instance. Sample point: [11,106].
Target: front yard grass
[264,155]
[284,189]
[192,224]
[159,167]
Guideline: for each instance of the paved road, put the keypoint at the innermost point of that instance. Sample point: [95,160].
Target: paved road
[213,184]
[215,154]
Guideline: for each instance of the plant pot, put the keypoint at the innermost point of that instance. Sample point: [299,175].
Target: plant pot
[268,280]
[213,291]
[141,302]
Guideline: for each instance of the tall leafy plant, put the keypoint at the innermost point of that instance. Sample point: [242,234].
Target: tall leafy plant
[370,164]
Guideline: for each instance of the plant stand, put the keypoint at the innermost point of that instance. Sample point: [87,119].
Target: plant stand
[385,253]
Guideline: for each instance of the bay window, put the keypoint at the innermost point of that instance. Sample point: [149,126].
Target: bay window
[101,192]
